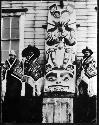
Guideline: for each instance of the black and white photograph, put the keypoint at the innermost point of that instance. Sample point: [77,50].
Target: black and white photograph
[49,61]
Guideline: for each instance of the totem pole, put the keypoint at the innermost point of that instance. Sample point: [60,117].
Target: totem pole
[60,73]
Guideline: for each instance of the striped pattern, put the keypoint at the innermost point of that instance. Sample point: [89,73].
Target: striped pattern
[57,110]
[36,16]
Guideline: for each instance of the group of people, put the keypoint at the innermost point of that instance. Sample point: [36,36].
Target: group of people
[21,79]
[28,74]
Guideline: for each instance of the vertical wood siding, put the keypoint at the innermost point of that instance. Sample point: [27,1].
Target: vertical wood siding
[36,16]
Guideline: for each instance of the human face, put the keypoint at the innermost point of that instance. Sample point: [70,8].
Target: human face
[11,57]
[87,53]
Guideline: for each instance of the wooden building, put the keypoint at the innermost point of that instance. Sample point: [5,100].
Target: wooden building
[22,23]
[25,22]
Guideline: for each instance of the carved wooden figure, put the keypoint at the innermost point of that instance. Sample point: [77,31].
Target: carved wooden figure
[60,69]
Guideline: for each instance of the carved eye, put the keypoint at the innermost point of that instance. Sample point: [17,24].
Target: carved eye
[66,76]
[65,79]
[51,78]
[56,14]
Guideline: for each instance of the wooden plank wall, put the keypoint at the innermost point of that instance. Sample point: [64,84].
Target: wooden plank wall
[86,16]
[36,16]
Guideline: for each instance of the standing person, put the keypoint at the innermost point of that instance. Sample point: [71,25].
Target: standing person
[89,71]
[89,76]
[11,87]
[31,68]
[87,88]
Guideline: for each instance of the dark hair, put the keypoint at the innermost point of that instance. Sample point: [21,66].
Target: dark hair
[30,50]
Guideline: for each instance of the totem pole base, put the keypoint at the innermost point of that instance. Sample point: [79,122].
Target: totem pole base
[57,110]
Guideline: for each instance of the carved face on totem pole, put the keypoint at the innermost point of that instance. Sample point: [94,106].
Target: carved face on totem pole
[60,49]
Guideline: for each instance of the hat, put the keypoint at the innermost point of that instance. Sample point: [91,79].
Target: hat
[12,52]
[31,50]
[87,49]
